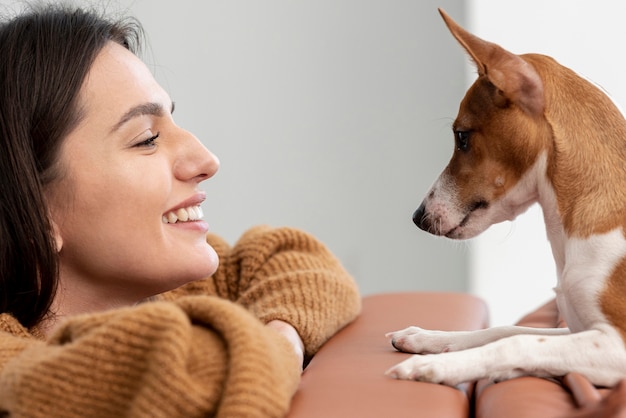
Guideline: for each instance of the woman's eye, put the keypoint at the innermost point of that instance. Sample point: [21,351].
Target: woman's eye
[148,143]
[462,140]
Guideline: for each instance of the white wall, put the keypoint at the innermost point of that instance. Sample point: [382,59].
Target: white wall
[329,115]
[512,267]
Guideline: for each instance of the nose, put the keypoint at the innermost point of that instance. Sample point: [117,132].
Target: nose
[195,161]
[419,217]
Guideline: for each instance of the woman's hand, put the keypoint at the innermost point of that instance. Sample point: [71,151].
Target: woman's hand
[290,333]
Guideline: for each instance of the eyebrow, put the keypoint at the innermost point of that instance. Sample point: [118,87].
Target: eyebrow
[144,109]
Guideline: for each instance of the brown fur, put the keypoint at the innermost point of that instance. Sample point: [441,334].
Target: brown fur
[493,164]
[588,163]
[613,300]
[573,121]
[530,130]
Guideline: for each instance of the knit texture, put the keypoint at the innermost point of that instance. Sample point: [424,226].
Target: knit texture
[201,350]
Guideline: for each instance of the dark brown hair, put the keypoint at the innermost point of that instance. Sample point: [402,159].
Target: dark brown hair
[45,54]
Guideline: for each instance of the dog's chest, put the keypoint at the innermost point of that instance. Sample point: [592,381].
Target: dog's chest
[588,266]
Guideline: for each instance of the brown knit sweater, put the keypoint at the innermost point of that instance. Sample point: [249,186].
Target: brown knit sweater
[201,350]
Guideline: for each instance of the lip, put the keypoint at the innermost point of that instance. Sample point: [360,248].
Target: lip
[195,200]
[199,225]
[454,233]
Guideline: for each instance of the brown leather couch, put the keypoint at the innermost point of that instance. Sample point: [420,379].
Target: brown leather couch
[346,378]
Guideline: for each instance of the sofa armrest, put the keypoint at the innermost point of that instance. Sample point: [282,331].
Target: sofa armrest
[346,377]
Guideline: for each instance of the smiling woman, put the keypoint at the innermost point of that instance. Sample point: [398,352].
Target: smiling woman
[115,300]
[127,169]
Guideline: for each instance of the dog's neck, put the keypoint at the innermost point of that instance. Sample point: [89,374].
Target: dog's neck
[588,147]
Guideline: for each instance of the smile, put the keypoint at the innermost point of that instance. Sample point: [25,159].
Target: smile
[189,214]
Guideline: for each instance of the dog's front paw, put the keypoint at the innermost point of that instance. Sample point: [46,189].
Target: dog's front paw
[425,368]
[420,341]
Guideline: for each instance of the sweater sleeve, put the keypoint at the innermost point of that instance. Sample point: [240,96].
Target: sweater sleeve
[195,357]
[285,274]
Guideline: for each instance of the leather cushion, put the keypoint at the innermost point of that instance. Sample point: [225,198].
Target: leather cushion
[346,377]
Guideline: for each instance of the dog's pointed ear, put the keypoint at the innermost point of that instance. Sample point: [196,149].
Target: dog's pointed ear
[518,80]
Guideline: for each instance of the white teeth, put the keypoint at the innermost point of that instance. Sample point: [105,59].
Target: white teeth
[192,213]
[182,214]
[195,213]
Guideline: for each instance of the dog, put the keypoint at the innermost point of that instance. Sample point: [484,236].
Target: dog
[532,131]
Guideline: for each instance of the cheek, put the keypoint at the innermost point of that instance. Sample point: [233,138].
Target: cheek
[486,181]
[113,225]
[120,197]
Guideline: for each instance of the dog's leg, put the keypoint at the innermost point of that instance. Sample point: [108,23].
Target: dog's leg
[421,341]
[598,354]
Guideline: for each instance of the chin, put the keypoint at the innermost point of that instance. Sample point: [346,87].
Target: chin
[206,264]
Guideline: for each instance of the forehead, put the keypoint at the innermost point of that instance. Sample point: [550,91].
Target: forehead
[478,104]
[117,80]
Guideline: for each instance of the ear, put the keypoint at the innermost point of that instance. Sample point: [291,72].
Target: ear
[518,80]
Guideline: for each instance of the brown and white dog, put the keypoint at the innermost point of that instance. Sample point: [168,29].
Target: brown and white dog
[530,130]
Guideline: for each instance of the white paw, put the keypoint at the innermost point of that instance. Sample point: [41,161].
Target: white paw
[420,341]
[430,368]
[453,368]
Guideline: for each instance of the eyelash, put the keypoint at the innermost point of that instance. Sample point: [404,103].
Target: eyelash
[150,142]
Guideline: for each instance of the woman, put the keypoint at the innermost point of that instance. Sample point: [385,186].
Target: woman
[112,302]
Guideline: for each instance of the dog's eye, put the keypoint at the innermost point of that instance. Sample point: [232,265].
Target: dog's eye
[462,140]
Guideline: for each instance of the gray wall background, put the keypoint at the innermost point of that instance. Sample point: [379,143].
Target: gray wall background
[328,115]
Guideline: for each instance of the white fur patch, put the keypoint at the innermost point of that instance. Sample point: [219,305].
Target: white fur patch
[588,264]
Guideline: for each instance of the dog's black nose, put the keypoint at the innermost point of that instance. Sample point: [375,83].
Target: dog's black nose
[418,217]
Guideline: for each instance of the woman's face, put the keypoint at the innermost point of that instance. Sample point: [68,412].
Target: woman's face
[126,206]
